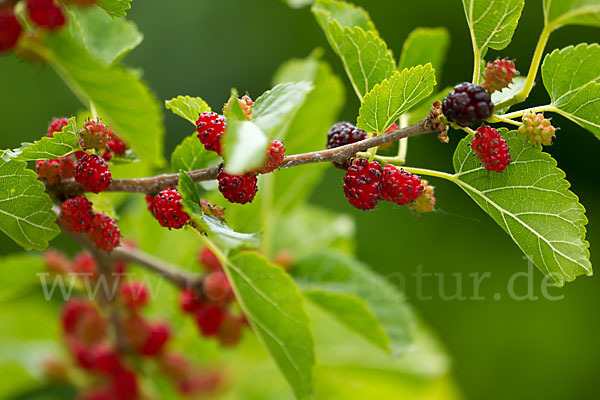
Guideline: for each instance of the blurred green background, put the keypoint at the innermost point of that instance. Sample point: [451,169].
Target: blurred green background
[500,348]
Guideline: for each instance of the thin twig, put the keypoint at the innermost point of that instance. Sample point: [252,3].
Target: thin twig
[155,184]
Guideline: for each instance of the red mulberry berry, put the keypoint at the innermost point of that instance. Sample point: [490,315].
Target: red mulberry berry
[362,184]
[217,288]
[209,260]
[239,189]
[93,173]
[425,203]
[166,208]
[52,171]
[57,125]
[498,75]
[115,144]
[230,330]
[399,186]
[106,360]
[47,170]
[124,386]
[491,149]
[94,135]
[158,334]
[209,319]
[84,265]
[10,30]
[211,127]
[467,104]
[275,155]
[134,294]
[211,209]
[46,13]
[537,129]
[104,232]
[189,301]
[73,312]
[76,214]
[56,262]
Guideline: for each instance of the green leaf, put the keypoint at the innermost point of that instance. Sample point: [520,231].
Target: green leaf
[559,13]
[299,231]
[274,110]
[422,110]
[275,309]
[584,108]
[122,100]
[62,144]
[191,154]
[531,201]
[187,107]
[353,37]
[567,71]
[335,272]
[106,39]
[18,274]
[346,14]
[383,105]
[352,312]
[26,214]
[222,233]
[492,22]
[426,45]
[115,8]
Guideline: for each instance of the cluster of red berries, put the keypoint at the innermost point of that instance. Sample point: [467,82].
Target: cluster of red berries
[499,75]
[77,215]
[47,14]
[236,188]
[491,149]
[91,170]
[210,304]
[112,368]
[83,265]
[366,183]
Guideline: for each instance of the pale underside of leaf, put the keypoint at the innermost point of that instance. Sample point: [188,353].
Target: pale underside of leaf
[530,200]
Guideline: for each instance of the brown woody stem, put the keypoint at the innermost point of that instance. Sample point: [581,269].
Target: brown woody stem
[155,184]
